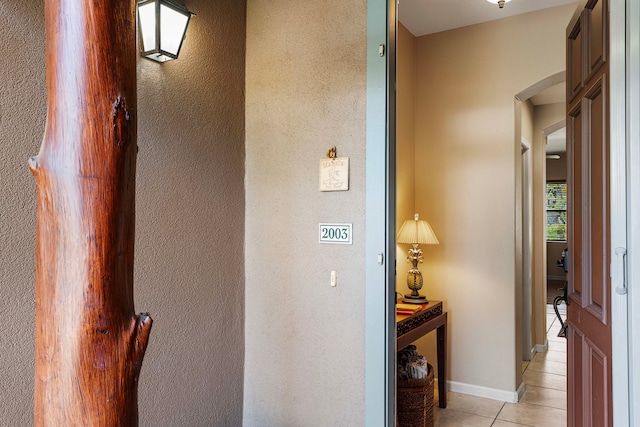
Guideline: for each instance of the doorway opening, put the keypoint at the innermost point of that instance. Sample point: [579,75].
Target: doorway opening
[617,15]
[540,112]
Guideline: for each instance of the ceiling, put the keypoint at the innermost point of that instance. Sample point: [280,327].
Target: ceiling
[552,95]
[557,142]
[423,17]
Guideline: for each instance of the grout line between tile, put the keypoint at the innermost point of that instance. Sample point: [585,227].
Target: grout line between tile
[498,414]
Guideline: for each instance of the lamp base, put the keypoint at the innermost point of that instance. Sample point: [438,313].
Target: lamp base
[415,300]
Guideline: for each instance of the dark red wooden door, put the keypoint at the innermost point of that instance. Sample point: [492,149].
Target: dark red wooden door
[589,310]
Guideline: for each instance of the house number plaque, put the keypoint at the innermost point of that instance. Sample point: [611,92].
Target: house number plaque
[339,234]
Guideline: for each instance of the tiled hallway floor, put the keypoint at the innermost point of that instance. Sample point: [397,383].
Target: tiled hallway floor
[544,402]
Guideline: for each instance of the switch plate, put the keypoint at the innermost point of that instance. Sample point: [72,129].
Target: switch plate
[334,278]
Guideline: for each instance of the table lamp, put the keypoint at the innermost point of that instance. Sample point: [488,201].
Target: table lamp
[415,232]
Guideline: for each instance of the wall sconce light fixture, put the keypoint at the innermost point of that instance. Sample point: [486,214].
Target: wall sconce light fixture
[163,25]
[500,3]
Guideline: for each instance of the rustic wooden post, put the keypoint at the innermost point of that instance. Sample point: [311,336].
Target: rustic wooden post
[89,342]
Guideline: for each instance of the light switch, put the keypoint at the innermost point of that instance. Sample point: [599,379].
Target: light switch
[334,278]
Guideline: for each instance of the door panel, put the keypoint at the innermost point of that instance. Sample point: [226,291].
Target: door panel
[597,35]
[574,217]
[588,314]
[574,58]
[599,382]
[574,377]
[599,172]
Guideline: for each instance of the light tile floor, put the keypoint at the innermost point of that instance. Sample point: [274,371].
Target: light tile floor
[543,404]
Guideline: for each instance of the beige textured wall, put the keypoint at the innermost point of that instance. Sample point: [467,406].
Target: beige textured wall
[466,150]
[189,270]
[405,149]
[22,119]
[557,169]
[305,92]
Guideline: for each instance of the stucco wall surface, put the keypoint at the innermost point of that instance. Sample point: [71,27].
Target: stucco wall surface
[22,120]
[189,271]
[306,88]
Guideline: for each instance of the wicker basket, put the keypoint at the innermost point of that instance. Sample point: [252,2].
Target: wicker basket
[415,402]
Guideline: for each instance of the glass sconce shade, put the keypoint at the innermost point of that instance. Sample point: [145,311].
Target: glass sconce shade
[499,2]
[163,25]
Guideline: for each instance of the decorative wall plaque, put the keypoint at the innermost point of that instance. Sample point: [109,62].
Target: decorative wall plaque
[334,172]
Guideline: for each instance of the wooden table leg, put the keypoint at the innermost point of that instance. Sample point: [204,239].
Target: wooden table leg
[442,363]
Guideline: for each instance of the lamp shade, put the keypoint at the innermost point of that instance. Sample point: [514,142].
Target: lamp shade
[163,25]
[417,231]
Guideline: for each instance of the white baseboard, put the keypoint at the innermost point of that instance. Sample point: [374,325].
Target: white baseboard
[488,393]
[520,391]
[538,348]
[542,348]
[531,354]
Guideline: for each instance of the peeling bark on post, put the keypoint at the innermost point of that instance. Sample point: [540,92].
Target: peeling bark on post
[89,341]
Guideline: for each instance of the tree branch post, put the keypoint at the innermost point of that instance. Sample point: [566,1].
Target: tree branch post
[89,342]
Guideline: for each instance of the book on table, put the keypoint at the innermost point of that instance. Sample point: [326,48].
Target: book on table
[408,308]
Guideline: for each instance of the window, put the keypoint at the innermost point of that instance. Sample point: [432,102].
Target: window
[556,211]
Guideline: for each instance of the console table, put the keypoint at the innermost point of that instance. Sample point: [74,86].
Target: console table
[414,326]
